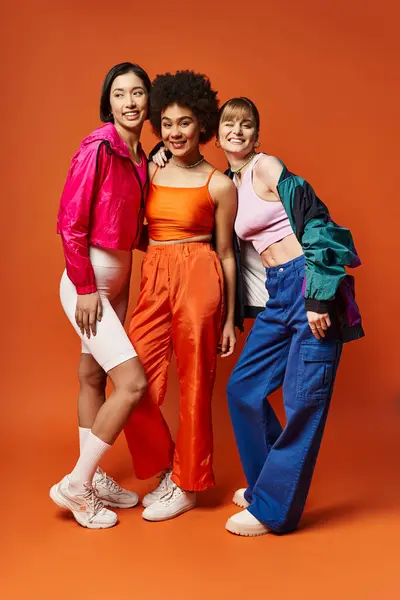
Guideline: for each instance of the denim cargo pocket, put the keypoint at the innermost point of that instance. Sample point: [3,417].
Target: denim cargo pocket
[317,363]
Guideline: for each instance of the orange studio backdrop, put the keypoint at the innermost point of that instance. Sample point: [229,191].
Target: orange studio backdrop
[324,77]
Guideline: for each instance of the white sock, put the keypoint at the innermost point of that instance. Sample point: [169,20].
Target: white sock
[86,466]
[83,434]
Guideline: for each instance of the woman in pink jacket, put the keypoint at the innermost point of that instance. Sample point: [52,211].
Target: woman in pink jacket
[100,219]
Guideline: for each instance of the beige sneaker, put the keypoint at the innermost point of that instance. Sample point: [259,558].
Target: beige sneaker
[162,489]
[244,523]
[112,494]
[239,499]
[87,508]
[173,503]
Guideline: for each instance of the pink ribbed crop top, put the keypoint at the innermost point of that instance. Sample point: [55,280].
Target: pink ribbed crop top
[258,221]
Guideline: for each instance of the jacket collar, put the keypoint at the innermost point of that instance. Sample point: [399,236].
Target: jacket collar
[109,134]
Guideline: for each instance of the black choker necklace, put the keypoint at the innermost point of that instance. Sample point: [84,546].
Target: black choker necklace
[252,155]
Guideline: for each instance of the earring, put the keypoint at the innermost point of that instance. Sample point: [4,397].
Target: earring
[111,116]
[218,145]
[257,144]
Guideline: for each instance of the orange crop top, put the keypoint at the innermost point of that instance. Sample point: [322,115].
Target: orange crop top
[175,213]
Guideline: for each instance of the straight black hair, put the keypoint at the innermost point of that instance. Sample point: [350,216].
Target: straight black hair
[113,73]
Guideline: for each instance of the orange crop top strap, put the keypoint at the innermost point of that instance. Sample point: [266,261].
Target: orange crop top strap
[205,185]
[154,174]
[209,177]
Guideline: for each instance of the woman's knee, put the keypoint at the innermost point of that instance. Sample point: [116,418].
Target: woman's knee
[134,391]
[243,394]
[130,382]
[137,386]
[91,375]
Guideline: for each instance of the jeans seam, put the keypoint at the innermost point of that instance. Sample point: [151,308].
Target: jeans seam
[265,396]
[276,524]
[319,409]
[306,451]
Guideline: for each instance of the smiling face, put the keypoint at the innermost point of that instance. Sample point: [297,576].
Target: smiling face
[237,132]
[129,101]
[180,130]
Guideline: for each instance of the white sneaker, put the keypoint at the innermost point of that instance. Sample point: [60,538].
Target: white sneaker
[244,523]
[160,491]
[172,504]
[239,499]
[87,508]
[110,493]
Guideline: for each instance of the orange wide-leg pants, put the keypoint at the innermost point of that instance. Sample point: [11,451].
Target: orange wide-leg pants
[180,308]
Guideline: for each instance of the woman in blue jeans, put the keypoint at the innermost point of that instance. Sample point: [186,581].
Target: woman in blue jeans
[297,337]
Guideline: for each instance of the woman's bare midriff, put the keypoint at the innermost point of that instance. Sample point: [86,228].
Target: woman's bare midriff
[199,238]
[281,252]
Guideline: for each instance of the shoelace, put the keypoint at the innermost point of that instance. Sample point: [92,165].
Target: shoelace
[172,493]
[110,483]
[92,500]
[163,486]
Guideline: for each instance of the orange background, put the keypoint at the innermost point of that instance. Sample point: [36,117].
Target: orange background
[325,78]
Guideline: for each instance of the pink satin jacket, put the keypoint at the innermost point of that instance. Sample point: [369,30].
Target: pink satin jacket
[102,203]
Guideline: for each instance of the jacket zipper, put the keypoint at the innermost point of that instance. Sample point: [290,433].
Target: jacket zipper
[110,151]
[141,200]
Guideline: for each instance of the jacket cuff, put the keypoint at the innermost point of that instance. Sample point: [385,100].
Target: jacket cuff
[86,289]
[319,306]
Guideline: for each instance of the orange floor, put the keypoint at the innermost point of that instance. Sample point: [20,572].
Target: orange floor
[346,548]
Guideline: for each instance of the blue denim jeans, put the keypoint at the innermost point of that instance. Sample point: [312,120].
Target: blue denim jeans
[281,351]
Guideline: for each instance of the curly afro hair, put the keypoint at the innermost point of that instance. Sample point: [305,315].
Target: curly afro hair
[186,89]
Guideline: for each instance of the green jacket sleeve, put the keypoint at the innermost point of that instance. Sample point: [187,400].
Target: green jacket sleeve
[328,248]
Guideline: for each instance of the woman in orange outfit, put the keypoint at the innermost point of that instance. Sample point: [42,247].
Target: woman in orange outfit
[186,302]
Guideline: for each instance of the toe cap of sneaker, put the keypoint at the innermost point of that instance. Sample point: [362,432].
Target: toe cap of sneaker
[153,512]
[245,524]
[106,517]
[148,500]
[130,498]
[239,499]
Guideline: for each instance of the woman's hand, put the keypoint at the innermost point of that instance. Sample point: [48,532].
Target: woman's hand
[318,323]
[228,339]
[88,310]
[160,158]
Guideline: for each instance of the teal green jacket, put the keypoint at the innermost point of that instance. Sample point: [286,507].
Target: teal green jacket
[328,249]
